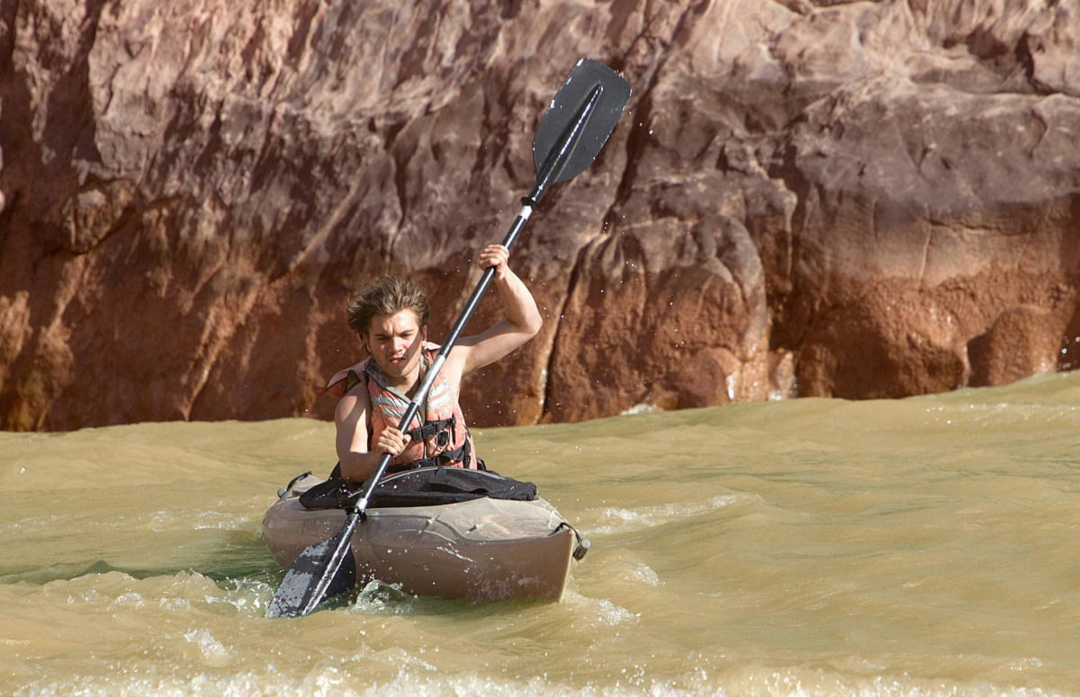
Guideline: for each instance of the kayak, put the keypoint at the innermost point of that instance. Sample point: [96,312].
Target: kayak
[483,549]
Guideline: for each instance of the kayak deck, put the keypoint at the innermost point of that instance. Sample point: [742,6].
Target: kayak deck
[482,550]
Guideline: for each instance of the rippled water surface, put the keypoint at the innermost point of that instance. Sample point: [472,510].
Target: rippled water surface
[922,546]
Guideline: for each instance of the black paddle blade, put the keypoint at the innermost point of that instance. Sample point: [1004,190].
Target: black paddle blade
[588,81]
[328,563]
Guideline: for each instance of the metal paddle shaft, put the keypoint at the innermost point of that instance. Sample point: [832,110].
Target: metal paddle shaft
[571,134]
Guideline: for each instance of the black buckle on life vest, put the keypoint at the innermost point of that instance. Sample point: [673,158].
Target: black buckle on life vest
[462,455]
[441,430]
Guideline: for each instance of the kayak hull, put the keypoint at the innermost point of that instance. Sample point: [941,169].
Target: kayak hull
[481,550]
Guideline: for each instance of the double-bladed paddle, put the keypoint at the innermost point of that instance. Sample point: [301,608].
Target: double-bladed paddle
[572,132]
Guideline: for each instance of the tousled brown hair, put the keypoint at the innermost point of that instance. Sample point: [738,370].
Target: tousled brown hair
[387,295]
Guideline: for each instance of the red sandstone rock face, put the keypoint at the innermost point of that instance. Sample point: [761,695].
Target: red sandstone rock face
[864,199]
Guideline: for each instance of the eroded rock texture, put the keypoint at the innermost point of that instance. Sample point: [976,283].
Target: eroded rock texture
[857,199]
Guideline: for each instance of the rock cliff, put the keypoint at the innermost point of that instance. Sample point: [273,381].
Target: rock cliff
[827,198]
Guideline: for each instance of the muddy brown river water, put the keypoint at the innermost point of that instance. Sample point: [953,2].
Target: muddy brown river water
[810,547]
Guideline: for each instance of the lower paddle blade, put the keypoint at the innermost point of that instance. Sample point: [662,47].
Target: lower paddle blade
[587,77]
[300,592]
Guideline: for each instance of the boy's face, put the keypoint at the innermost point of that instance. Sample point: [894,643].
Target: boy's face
[395,341]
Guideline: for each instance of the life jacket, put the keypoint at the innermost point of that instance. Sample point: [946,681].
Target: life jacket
[438,434]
